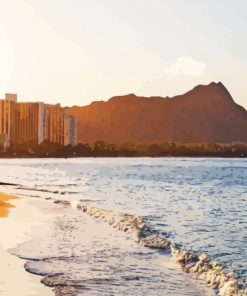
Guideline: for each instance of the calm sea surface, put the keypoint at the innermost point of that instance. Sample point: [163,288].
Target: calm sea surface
[200,204]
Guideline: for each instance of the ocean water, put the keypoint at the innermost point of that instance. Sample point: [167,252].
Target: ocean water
[199,203]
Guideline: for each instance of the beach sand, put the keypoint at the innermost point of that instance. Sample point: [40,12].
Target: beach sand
[16,218]
[5,206]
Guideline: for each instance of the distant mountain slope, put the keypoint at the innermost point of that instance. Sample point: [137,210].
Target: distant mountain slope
[207,113]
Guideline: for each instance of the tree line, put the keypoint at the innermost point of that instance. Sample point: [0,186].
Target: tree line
[102,149]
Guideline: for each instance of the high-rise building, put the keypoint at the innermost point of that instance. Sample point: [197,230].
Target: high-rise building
[30,118]
[70,129]
[35,123]
[54,124]
[41,123]
[8,124]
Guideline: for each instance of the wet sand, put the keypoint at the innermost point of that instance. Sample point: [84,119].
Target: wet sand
[28,220]
[16,218]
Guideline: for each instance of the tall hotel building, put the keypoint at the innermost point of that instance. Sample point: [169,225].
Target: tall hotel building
[30,118]
[35,123]
[54,124]
[8,123]
[70,128]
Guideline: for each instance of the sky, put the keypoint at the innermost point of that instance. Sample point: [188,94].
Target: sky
[78,51]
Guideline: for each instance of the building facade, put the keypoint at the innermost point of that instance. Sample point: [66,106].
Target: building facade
[35,123]
[54,124]
[30,118]
[8,124]
[70,129]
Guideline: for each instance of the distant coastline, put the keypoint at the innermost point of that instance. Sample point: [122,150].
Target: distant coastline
[205,121]
[102,149]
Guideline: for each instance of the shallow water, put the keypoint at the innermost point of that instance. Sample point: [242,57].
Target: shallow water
[198,203]
[83,256]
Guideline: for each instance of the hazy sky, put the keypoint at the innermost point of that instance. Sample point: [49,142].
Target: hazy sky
[76,51]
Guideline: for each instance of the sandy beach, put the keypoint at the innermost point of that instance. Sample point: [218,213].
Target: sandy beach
[5,205]
[27,219]
[15,225]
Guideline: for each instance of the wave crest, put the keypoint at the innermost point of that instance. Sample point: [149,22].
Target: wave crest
[199,266]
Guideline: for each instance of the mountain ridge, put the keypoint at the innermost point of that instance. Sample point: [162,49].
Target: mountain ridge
[206,113]
[133,95]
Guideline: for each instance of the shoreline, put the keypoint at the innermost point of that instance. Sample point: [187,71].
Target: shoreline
[125,156]
[199,267]
[34,284]
[14,229]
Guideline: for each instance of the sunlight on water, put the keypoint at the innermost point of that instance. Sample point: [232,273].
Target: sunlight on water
[198,203]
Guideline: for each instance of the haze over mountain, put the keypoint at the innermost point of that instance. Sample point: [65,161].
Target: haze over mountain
[207,113]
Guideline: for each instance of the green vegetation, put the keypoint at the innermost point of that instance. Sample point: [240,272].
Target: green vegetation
[102,149]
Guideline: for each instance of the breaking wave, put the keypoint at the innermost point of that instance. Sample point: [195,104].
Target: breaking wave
[199,265]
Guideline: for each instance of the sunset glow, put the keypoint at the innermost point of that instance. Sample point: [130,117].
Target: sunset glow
[74,52]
